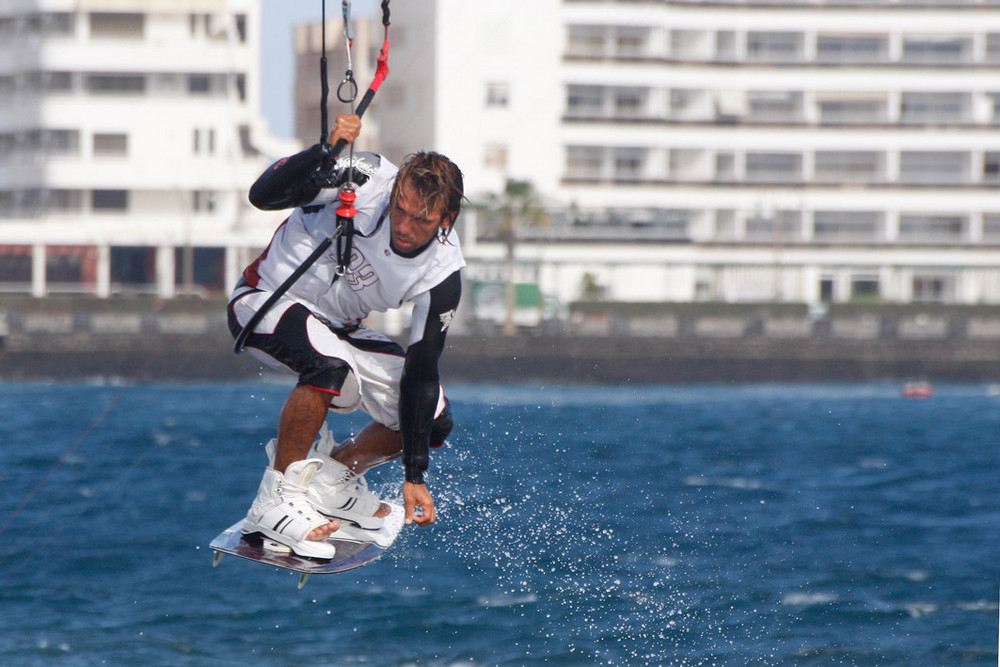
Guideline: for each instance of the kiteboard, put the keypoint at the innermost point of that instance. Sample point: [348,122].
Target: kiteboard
[355,546]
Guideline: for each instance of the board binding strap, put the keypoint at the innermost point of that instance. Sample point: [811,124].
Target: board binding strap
[355,547]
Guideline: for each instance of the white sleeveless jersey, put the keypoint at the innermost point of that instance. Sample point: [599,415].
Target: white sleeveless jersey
[378,279]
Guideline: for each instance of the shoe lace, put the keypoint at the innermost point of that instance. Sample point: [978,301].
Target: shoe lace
[290,490]
[354,483]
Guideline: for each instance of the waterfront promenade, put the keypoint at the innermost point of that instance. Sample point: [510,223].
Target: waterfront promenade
[187,339]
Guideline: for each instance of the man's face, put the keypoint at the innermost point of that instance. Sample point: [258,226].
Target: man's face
[411,225]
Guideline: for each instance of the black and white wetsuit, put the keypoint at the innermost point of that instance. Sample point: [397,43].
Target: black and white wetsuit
[316,329]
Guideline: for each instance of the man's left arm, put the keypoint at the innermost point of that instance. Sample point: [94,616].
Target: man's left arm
[420,385]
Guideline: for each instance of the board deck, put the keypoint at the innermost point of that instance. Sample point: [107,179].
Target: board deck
[355,547]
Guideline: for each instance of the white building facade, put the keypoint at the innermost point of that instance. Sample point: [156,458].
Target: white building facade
[736,152]
[720,151]
[129,134]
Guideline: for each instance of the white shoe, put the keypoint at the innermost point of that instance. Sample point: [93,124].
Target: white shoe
[338,492]
[282,511]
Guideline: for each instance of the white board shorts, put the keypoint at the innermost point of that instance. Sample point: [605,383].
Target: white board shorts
[376,362]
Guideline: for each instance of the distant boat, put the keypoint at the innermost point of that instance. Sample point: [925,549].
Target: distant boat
[918,389]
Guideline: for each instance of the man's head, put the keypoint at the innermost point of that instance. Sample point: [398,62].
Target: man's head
[426,199]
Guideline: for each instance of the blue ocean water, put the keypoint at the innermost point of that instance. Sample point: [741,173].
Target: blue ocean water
[713,525]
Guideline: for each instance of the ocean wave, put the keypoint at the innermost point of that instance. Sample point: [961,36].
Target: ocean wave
[807,599]
[506,600]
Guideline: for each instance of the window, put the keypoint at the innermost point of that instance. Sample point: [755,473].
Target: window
[199,84]
[133,265]
[826,290]
[587,41]
[774,106]
[774,47]
[774,226]
[773,167]
[848,226]
[630,42]
[687,44]
[725,224]
[241,27]
[851,108]
[686,164]
[117,25]
[495,157]
[15,261]
[203,267]
[934,167]
[687,103]
[630,102]
[497,95]
[584,162]
[852,48]
[106,145]
[933,289]
[57,23]
[932,228]
[725,45]
[725,166]
[53,142]
[992,47]
[246,142]
[993,101]
[629,163]
[991,227]
[849,166]
[62,200]
[204,141]
[937,50]
[864,288]
[991,166]
[115,84]
[56,81]
[585,101]
[8,141]
[107,201]
[935,107]
[203,201]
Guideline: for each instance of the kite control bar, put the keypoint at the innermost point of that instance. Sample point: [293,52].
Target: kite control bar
[345,214]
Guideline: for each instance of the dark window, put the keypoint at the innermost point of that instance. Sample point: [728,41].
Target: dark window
[110,200]
[117,25]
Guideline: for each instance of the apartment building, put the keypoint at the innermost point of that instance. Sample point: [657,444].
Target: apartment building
[711,151]
[721,150]
[129,133]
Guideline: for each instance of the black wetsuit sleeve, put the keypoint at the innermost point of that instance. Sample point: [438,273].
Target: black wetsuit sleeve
[289,182]
[420,384]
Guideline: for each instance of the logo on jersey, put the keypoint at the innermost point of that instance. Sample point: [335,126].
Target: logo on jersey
[446,319]
[360,273]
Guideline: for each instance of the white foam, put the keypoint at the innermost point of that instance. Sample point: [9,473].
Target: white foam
[507,600]
[807,599]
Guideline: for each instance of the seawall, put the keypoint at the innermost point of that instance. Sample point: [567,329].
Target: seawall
[188,340]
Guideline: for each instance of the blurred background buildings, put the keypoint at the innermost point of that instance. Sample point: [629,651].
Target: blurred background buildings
[632,151]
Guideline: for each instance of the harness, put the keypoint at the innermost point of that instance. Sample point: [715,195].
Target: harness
[347,93]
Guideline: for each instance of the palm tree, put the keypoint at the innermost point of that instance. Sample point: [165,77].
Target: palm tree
[503,215]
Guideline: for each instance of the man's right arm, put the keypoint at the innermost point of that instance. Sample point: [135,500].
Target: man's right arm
[288,182]
[296,180]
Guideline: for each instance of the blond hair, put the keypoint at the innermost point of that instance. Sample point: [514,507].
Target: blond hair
[435,179]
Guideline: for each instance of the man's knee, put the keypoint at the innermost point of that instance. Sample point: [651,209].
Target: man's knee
[442,425]
[336,378]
